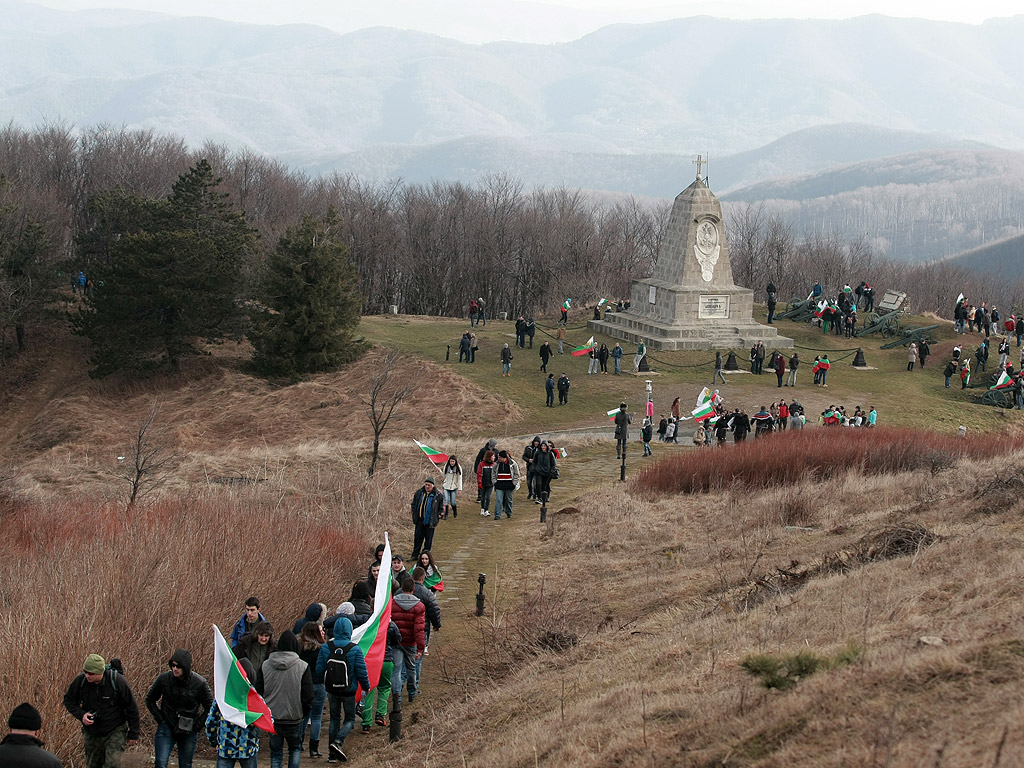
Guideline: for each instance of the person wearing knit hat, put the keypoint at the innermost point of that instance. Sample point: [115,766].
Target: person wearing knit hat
[102,701]
[346,609]
[22,747]
[427,506]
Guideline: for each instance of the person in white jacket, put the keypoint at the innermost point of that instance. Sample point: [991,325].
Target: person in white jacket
[451,485]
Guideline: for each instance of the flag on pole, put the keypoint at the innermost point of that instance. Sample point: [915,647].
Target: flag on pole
[560,453]
[434,580]
[584,349]
[704,396]
[1003,382]
[611,414]
[437,458]
[702,412]
[237,699]
[372,636]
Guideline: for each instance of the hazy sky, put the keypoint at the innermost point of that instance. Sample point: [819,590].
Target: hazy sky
[476,21]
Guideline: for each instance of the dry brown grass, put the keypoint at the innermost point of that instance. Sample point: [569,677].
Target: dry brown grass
[655,676]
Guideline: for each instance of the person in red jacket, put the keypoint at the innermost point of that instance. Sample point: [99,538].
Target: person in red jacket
[409,613]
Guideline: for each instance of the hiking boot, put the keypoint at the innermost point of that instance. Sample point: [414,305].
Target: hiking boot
[314,748]
[379,720]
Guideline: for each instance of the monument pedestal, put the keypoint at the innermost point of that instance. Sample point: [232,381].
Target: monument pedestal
[691,301]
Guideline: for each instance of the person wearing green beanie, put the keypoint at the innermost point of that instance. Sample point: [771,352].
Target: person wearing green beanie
[102,701]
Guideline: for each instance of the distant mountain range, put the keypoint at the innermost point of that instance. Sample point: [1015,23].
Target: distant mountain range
[807,115]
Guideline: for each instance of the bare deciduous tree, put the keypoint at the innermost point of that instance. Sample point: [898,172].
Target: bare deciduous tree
[146,458]
[387,392]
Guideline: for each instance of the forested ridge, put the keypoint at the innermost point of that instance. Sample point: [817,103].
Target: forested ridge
[70,201]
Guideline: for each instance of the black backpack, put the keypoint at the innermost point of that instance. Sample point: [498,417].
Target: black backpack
[338,676]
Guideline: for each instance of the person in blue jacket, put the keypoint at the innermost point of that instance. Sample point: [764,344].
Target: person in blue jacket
[248,621]
[340,729]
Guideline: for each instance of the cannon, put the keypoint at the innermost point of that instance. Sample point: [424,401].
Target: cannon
[1000,398]
[908,335]
[885,323]
[800,311]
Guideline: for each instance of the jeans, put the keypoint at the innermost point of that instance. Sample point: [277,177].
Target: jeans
[405,670]
[947,382]
[315,718]
[1020,401]
[166,740]
[242,762]
[506,368]
[472,354]
[340,729]
[593,366]
[647,448]
[618,361]
[791,379]
[520,340]
[481,319]
[718,375]
[292,733]
[771,313]
[560,341]
[449,497]
[550,399]
[824,374]
[381,692]
[503,502]
[485,498]
[620,447]
[529,481]
[779,377]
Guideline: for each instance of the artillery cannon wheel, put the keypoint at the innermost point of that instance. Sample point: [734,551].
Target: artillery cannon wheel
[891,328]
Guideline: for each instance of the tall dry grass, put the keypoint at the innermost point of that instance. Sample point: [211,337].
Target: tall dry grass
[821,454]
[80,578]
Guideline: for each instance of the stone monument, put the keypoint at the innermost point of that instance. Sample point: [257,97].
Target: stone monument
[691,301]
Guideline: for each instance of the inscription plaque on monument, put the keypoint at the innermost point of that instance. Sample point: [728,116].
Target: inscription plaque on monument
[713,308]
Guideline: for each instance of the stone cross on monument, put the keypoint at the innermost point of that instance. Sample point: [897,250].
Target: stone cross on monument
[699,162]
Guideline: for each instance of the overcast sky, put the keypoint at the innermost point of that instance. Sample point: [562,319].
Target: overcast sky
[476,21]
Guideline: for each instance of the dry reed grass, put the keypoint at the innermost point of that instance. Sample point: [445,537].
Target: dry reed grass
[655,677]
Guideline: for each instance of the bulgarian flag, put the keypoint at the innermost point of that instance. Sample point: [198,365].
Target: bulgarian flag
[704,397]
[565,305]
[1003,382]
[601,303]
[611,414]
[372,636]
[965,372]
[236,698]
[584,349]
[822,365]
[434,580]
[436,457]
[821,308]
[702,412]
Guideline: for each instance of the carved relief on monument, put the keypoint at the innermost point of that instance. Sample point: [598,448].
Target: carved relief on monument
[707,247]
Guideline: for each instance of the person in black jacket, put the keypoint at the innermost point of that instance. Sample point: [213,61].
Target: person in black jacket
[544,467]
[545,356]
[22,747]
[101,700]
[184,700]
[563,390]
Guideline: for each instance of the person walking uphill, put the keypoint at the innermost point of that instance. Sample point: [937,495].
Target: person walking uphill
[545,356]
[286,683]
[184,700]
[507,479]
[341,698]
[506,361]
[427,506]
[22,747]
[101,700]
[622,422]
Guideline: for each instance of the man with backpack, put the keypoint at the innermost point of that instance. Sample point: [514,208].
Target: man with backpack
[101,700]
[343,666]
[185,699]
[286,683]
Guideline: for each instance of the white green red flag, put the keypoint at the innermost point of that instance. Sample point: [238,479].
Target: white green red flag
[611,414]
[236,698]
[560,452]
[436,457]
[702,412]
[1003,382]
[704,396]
[601,303]
[372,636]
[565,305]
[584,349]
[965,372]
[434,580]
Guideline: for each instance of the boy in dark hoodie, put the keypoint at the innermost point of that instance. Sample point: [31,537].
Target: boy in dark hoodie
[340,729]
[286,684]
[409,613]
[184,700]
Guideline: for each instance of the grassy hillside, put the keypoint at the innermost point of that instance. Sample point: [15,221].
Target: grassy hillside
[619,632]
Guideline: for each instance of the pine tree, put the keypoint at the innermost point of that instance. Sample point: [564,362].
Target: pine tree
[172,279]
[309,304]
